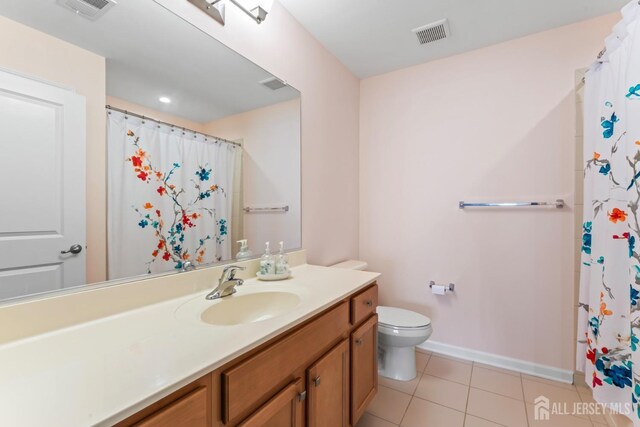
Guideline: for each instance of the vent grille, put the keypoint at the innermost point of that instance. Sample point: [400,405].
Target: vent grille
[432,32]
[273,83]
[98,4]
[90,9]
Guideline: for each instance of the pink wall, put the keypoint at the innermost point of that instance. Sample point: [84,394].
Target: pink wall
[270,170]
[493,124]
[330,109]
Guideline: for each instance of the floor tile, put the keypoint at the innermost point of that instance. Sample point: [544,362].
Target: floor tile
[369,420]
[497,382]
[389,404]
[444,392]
[422,413]
[456,359]
[495,368]
[471,421]
[556,393]
[408,387]
[621,421]
[546,381]
[587,397]
[449,369]
[556,420]
[421,361]
[500,409]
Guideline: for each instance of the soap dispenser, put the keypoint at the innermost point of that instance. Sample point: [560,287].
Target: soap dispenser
[244,251]
[267,261]
[282,261]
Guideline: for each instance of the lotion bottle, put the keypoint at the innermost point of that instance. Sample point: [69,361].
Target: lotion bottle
[244,251]
[282,261]
[267,261]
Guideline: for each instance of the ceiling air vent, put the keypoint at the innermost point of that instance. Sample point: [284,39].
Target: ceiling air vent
[90,9]
[432,32]
[273,83]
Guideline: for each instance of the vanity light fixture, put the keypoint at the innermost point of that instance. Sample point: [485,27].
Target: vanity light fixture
[165,100]
[255,9]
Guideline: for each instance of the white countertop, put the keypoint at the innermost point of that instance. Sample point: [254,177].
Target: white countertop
[100,372]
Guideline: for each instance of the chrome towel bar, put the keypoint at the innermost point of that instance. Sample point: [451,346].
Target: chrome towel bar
[276,209]
[559,204]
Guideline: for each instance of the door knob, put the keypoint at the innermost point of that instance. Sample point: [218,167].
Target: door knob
[74,249]
[316,381]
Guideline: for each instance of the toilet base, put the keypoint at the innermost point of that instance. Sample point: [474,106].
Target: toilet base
[397,363]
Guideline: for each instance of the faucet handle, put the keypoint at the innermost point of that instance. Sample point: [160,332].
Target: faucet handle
[231,269]
[187,266]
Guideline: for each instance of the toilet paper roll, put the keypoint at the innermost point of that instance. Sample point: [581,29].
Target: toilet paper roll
[438,289]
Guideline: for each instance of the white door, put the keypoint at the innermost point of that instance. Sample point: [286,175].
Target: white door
[42,186]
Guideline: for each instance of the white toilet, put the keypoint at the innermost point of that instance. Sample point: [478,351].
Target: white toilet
[399,331]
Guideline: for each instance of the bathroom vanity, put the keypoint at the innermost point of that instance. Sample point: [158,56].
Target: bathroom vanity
[292,353]
[320,373]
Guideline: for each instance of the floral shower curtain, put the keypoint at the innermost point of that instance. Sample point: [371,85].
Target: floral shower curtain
[609,303]
[169,197]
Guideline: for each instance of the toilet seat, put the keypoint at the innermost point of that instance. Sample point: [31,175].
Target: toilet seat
[400,319]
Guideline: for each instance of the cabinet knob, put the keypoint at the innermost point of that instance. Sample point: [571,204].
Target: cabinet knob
[359,341]
[316,381]
[302,395]
[368,303]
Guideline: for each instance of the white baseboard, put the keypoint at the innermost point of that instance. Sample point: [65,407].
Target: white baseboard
[498,361]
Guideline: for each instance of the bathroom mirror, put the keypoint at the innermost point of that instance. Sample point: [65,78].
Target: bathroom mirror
[134,144]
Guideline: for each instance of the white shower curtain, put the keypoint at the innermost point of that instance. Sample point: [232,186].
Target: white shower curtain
[609,309]
[169,197]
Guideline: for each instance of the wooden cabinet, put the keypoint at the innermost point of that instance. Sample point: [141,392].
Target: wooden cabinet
[188,411]
[189,406]
[320,373]
[328,389]
[364,304]
[285,409]
[364,367]
[251,382]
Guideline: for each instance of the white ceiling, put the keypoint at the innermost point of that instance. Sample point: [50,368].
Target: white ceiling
[152,52]
[374,36]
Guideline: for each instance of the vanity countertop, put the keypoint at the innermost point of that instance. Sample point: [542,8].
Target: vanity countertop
[100,372]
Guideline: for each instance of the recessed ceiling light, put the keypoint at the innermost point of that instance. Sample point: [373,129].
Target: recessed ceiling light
[164,100]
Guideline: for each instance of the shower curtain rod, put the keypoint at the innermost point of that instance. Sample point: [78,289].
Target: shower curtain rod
[160,122]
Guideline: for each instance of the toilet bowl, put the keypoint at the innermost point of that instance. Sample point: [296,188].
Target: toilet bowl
[399,331]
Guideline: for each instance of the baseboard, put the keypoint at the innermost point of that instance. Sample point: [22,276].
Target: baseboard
[498,361]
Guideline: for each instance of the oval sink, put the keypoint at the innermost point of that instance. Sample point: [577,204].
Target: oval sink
[234,310]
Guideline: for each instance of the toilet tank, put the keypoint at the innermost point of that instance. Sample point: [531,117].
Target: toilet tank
[352,264]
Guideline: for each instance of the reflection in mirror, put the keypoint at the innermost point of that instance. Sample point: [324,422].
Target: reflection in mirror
[133,143]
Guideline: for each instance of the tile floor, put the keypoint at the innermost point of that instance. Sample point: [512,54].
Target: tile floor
[456,393]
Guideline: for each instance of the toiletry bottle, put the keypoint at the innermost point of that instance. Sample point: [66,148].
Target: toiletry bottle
[267,261]
[282,261]
[244,251]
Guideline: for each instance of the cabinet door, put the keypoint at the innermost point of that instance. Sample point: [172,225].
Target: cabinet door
[328,389]
[282,410]
[364,367]
[188,411]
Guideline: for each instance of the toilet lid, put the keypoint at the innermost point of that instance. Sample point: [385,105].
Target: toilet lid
[401,318]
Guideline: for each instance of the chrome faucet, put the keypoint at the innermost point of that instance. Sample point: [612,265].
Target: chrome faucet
[227,283]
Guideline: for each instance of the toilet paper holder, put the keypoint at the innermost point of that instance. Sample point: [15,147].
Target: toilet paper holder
[451,287]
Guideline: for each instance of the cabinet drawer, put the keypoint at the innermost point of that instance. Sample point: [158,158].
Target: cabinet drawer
[188,411]
[364,304]
[251,383]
